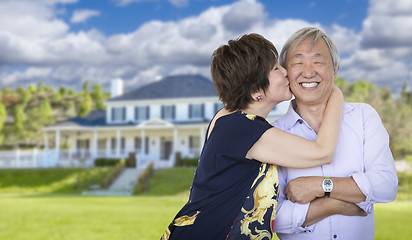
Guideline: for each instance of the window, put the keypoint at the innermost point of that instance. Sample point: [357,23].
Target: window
[194,145]
[137,143]
[113,144]
[101,144]
[142,113]
[196,111]
[168,112]
[82,144]
[194,142]
[118,114]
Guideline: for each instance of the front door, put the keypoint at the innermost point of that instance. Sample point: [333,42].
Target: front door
[166,149]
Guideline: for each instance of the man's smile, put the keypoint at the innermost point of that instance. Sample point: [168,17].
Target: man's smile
[309,84]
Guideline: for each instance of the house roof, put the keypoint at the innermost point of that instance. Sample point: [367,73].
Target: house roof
[94,118]
[97,118]
[182,86]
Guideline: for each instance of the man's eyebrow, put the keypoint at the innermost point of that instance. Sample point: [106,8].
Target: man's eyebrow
[297,55]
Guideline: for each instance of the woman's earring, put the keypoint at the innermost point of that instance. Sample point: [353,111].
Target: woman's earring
[259,98]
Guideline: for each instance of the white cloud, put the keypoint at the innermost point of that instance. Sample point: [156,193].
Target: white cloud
[388,24]
[39,38]
[83,15]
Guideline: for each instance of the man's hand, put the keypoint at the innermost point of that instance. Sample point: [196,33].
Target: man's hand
[324,207]
[304,189]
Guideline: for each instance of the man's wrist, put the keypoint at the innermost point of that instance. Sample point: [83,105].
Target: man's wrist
[327,186]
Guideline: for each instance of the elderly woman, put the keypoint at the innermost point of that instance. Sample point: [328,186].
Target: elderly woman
[234,191]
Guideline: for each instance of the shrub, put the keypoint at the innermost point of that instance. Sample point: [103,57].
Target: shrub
[188,162]
[113,174]
[143,180]
[106,162]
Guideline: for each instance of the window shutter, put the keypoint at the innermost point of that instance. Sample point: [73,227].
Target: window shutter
[202,111]
[173,111]
[136,113]
[163,112]
[87,144]
[113,114]
[190,110]
[124,113]
[147,145]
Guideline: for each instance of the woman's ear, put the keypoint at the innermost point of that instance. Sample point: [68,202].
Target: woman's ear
[257,96]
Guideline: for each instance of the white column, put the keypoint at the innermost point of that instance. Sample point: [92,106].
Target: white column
[118,137]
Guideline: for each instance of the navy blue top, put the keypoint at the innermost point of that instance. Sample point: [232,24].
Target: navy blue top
[231,196]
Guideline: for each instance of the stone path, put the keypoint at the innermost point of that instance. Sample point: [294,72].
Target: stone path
[122,186]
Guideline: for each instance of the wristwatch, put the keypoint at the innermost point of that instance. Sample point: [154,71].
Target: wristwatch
[327,186]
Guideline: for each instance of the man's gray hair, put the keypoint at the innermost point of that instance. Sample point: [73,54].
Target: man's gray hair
[310,32]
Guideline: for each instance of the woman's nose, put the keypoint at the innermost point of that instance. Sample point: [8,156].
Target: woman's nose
[284,71]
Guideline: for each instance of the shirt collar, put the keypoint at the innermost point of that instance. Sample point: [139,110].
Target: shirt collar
[292,118]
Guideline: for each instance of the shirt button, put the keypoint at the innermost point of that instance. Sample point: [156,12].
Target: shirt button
[335,236]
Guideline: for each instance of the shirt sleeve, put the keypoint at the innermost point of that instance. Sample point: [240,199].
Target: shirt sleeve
[289,216]
[378,182]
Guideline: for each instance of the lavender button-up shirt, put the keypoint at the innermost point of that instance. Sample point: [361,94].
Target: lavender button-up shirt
[363,153]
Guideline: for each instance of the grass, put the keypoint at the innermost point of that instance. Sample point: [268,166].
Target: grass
[56,180]
[78,217]
[170,181]
[144,217]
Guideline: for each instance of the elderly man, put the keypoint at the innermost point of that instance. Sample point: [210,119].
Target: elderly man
[334,201]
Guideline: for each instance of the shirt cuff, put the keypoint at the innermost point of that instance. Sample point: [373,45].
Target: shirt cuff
[363,183]
[299,217]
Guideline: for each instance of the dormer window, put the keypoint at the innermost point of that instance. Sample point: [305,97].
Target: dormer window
[142,113]
[118,114]
[168,112]
[196,111]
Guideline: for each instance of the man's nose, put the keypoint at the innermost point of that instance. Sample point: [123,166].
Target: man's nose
[308,70]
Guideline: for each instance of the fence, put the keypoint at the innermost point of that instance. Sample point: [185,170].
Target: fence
[68,158]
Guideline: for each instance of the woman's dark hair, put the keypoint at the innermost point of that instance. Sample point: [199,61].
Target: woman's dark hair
[241,68]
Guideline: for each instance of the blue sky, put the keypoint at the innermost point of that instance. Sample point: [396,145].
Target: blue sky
[65,42]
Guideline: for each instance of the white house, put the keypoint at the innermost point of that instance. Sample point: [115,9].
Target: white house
[154,122]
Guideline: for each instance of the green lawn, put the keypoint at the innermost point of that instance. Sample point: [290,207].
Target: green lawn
[50,216]
[78,217]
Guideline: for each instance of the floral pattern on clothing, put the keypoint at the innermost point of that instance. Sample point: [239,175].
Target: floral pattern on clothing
[257,216]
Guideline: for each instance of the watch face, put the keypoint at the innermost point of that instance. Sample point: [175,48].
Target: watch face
[327,183]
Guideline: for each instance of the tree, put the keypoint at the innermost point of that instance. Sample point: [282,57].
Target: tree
[98,96]
[19,120]
[25,95]
[45,111]
[85,105]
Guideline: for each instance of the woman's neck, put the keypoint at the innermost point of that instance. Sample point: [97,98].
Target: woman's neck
[259,108]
